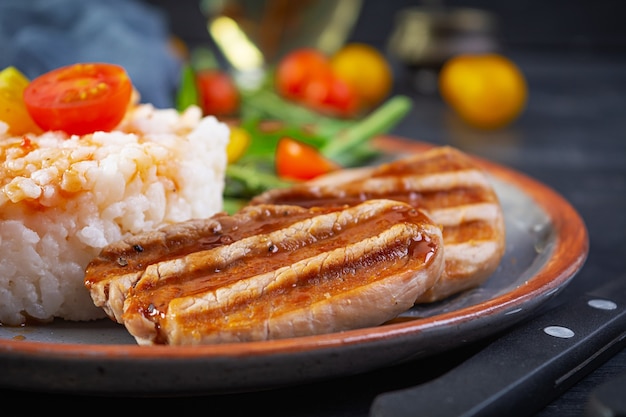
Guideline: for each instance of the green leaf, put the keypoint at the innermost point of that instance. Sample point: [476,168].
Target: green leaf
[246,181]
[268,105]
[233,205]
[187,94]
[378,122]
[264,140]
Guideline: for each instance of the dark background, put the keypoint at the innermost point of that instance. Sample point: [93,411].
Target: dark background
[571,136]
[561,24]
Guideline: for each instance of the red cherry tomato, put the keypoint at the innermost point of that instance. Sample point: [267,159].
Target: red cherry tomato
[299,161]
[305,75]
[329,94]
[219,95]
[79,98]
[297,68]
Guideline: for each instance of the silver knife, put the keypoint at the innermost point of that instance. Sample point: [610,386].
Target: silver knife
[525,369]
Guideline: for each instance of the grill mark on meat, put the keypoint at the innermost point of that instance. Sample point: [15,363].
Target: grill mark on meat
[444,182]
[295,272]
[210,270]
[119,266]
[184,238]
[299,285]
[464,214]
[433,191]
[475,230]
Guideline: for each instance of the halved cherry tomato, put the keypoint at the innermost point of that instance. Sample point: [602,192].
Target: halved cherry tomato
[219,95]
[299,161]
[79,98]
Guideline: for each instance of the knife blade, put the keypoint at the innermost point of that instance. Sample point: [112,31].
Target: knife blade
[529,366]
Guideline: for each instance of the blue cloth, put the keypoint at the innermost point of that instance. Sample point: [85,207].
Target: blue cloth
[37,36]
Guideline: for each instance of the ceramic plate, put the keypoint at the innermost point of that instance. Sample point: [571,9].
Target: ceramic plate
[547,244]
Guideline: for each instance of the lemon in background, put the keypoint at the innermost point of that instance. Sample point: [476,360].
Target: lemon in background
[488,91]
[366,70]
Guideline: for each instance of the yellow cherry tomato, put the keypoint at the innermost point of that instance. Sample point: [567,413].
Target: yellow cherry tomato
[239,141]
[366,70]
[12,108]
[488,91]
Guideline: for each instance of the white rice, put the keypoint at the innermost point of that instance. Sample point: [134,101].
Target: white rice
[63,199]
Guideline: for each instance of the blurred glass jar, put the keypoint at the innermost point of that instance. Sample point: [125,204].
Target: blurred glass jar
[424,37]
[254,34]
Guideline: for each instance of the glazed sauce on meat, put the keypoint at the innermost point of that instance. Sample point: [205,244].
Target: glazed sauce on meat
[208,271]
[354,195]
[137,253]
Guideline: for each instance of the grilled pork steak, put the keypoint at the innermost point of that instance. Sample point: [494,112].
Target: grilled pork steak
[268,272]
[446,183]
